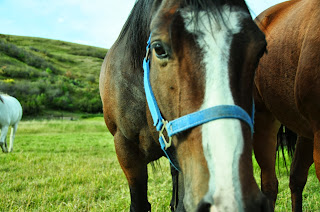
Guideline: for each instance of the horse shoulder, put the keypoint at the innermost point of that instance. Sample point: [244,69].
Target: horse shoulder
[107,92]
[122,92]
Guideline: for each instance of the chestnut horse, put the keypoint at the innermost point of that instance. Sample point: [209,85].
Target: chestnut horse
[288,91]
[198,67]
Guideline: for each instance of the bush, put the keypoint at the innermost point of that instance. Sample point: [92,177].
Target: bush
[63,102]
[28,72]
[38,96]
[25,56]
[93,105]
[8,80]
[34,104]
[89,51]
[21,72]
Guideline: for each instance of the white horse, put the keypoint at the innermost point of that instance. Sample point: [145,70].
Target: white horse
[10,115]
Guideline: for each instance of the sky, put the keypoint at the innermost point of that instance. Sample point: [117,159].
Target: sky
[90,22]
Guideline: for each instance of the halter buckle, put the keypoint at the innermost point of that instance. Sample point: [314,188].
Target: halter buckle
[147,54]
[148,48]
[167,144]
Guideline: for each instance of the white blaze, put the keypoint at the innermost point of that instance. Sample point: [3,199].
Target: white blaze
[222,139]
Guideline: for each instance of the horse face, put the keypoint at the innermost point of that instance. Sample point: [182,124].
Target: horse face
[200,60]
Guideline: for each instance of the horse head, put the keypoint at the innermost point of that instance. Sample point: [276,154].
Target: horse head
[201,55]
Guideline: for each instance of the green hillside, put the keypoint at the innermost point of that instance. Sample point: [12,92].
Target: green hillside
[46,74]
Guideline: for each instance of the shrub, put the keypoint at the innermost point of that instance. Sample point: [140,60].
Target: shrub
[29,73]
[91,78]
[8,80]
[48,70]
[25,56]
[26,72]
[63,102]
[89,51]
[34,104]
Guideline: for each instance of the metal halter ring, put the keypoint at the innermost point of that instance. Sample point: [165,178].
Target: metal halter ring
[164,127]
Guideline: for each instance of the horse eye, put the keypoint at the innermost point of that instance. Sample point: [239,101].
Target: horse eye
[160,51]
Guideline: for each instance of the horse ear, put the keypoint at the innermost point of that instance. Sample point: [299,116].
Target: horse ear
[163,11]
[155,6]
[168,7]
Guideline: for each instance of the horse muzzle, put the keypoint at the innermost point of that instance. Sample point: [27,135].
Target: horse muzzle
[258,204]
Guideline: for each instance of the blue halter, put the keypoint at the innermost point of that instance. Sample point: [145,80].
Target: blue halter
[188,121]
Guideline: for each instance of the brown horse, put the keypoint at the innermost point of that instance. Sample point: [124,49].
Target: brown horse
[288,91]
[201,56]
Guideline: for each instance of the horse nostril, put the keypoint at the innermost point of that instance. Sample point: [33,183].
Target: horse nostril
[203,207]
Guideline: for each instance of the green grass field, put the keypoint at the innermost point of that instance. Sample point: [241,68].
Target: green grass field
[72,166]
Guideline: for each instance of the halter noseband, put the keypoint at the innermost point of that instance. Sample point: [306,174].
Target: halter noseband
[188,121]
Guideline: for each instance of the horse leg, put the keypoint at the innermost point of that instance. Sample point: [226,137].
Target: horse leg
[3,138]
[265,145]
[176,203]
[12,136]
[301,163]
[316,152]
[175,188]
[181,191]
[134,167]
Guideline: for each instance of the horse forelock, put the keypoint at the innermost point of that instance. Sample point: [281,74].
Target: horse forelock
[212,8]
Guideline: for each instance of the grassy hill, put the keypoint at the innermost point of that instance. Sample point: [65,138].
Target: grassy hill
[46,74]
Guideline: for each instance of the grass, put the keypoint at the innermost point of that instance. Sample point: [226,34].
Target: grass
[72,166]
[311,192]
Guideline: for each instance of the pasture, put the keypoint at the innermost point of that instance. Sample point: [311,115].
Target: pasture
[72,166]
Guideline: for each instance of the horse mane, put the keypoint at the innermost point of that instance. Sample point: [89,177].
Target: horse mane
[1,99]
[137,25]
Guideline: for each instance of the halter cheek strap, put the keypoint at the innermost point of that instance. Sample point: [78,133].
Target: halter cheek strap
[188,121]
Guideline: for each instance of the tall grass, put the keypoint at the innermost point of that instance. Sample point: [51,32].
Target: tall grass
[72,166]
